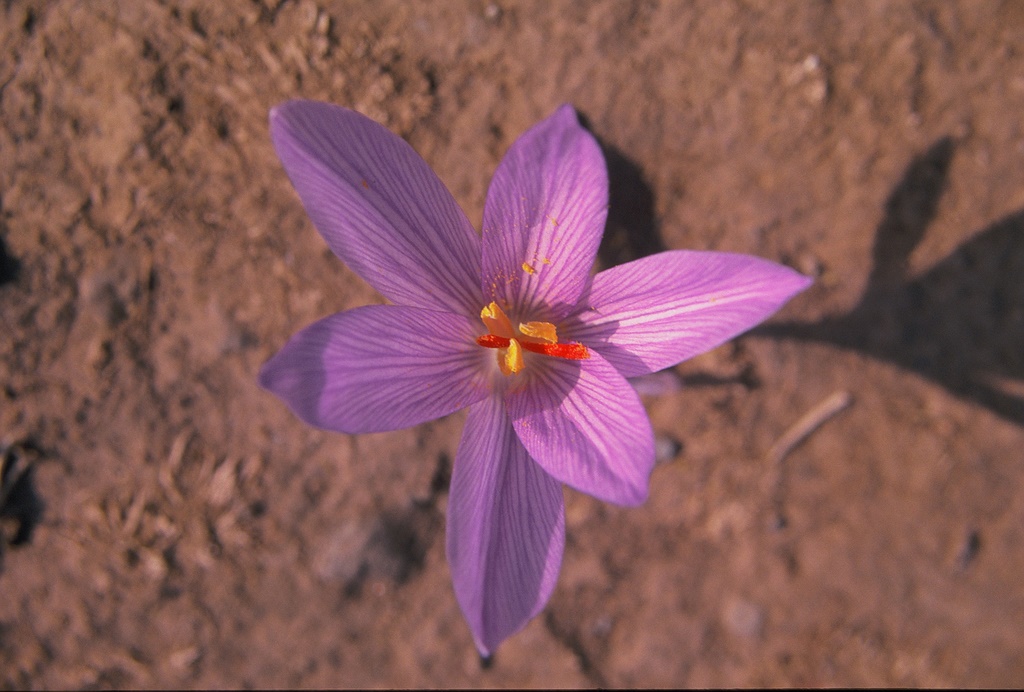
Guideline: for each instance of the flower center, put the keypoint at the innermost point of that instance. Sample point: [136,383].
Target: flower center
[536,337]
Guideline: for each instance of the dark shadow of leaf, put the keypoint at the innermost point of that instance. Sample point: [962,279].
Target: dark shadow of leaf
[10,267]
[632,230]
[21,508]
[960,323]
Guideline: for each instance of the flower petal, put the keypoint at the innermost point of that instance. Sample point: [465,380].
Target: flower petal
[652,313]
[506,528]
[379,367]
[379,206]
[543,219]
[585,425]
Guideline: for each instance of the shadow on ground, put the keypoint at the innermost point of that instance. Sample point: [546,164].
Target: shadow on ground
[960,323]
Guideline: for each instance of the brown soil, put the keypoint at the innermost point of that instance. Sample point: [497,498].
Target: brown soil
[167,523]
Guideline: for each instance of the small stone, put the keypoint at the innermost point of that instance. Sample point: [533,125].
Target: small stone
[809,265]
[744,619]
[492,12]
[602,626]
[340,557]
[666,449]
[323,24]
[968,550]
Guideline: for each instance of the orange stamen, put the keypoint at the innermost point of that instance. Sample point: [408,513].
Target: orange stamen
[570,351]
[492,341]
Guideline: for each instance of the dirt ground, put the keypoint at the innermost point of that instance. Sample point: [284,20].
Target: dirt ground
[840,498]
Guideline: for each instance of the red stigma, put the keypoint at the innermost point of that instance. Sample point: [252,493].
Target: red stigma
[571,351]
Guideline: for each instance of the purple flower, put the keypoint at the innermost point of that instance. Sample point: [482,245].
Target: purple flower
[508,323]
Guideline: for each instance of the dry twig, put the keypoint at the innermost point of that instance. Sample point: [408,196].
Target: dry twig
[808,423]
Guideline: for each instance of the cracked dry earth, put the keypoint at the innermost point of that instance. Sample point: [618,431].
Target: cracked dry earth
[839,498]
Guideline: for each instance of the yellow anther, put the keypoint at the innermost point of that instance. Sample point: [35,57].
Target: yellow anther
[528,268]
[545,331]
[513,360]
[496,321]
